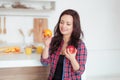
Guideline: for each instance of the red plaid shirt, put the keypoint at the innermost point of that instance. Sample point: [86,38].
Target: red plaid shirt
[68,72]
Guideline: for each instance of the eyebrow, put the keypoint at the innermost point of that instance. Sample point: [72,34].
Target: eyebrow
[67,21]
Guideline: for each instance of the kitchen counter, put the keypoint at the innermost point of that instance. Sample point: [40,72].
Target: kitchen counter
[19,60]
[22,67]
[19,66]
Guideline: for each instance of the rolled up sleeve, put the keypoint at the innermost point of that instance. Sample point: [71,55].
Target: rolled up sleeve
[45,62]
[81,58]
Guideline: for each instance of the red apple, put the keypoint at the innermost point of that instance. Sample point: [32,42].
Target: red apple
[71,48]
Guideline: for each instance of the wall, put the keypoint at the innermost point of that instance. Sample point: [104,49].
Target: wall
[100,23]
[13,24]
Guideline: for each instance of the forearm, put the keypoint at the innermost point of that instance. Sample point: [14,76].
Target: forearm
[45,54]
[75,64]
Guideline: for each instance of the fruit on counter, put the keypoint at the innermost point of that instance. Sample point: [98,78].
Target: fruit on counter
[7,50]
[2,49]
[71,48]
[12,49]
[17,49]
[47,33]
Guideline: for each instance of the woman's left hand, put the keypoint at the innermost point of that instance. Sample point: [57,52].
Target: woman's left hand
[70,55]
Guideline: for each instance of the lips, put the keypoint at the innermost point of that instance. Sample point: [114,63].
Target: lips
[64,30]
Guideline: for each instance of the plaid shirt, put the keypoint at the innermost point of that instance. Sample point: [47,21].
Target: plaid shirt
[68,72]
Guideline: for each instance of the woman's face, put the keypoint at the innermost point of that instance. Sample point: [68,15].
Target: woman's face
[66,24]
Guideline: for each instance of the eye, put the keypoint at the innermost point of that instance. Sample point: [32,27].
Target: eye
[61,22]
[68,24]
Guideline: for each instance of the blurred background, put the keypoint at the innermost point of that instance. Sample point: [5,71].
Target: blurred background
[100,20]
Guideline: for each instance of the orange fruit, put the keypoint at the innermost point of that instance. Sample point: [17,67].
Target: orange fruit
[12,50]
[7,50]
[47,33]
[17,49]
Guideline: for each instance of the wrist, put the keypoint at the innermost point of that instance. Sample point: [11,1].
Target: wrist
[46,46]
[73,59]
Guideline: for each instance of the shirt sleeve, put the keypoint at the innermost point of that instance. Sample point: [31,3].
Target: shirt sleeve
[45,62]
[81,58]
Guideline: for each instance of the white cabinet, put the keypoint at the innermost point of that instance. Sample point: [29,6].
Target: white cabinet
[26,7]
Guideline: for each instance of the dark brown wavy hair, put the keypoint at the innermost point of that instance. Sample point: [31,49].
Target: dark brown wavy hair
[76,35]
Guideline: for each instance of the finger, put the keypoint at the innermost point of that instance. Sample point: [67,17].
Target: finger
[50,38]
[65,52]
[68,51]
[46,38]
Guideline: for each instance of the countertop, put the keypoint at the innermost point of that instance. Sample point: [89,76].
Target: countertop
[19,60]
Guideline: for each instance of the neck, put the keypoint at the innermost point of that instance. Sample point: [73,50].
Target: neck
[66,38]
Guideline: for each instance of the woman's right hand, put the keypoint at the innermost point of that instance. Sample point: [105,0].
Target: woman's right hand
[47,41]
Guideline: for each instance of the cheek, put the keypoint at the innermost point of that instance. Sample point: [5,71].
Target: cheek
[60,26]
[70,29]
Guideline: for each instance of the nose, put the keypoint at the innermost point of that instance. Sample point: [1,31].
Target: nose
[63,25]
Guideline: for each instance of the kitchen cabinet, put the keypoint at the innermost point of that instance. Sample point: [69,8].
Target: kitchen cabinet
[22,67]
[8,60]
[26,7]
[25,73]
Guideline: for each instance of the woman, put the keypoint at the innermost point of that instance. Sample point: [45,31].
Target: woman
[65,65]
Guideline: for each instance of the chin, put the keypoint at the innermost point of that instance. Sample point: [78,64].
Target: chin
[64,33]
